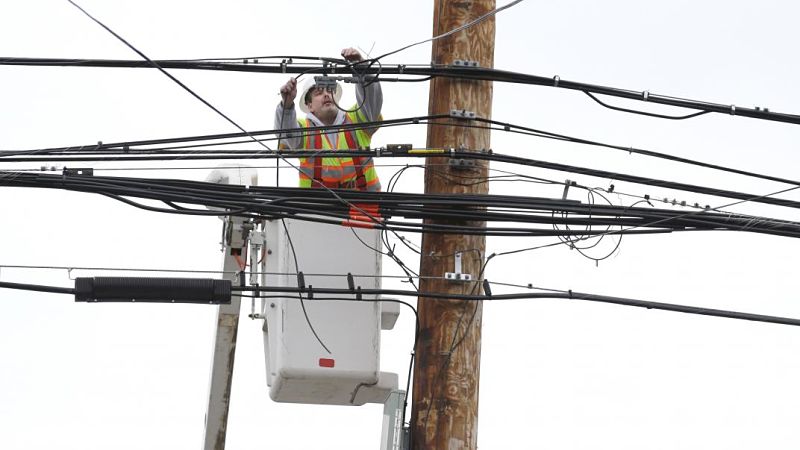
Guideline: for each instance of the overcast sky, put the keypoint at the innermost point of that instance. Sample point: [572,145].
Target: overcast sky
[555,374]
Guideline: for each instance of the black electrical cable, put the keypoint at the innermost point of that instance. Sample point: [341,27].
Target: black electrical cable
[36,288]
[125,146]
[581,170]
[318,205]
[568,295]
[470,73]
[300,294]
[644,113]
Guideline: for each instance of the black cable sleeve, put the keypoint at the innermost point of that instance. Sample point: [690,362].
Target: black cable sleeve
[152,290]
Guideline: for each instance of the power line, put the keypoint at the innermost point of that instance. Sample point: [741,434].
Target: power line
[552,294]
[399,212]
[123,151]
[405,70]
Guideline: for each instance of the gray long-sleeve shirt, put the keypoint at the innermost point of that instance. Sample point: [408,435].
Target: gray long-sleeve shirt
[371,96]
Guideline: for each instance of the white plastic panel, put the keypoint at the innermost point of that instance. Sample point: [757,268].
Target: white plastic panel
[299,369]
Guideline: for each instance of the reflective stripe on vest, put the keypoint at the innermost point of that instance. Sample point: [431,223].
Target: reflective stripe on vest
[338,172]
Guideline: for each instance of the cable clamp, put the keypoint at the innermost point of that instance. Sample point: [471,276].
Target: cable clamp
[326,82]
[87,172]
[462,114]
[465,63]
[645,95]
[556,80]
[283,66]
[460,163]
[487,288]
[401,68]
[457,275]
[733,110]
[567,184]
[310,292]
[400,148]
[351,284]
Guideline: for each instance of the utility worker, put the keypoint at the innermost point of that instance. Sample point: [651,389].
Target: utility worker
[322,109]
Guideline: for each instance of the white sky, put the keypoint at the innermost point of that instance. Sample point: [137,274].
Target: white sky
[554,374]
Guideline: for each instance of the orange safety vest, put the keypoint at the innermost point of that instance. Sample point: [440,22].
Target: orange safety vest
[339,172]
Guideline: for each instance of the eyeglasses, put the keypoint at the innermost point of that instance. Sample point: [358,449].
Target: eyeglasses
[319,90]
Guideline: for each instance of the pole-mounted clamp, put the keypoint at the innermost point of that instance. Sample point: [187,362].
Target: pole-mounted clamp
[462,114]
[457,275]
[465,63]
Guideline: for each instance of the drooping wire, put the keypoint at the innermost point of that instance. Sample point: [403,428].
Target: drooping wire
[299,293]
[644,113]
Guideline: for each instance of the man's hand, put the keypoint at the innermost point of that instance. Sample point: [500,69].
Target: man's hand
[351,55]
[289,92]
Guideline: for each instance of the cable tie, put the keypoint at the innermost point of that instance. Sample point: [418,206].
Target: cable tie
[556,79]
[310,292]
[283,66]
[358,293]
[646,95]
[401,68]
[350,282]
[567,184]
[570,293]
[733,110]
[487,289]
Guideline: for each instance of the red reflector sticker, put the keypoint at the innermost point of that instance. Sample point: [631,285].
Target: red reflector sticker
[326,362]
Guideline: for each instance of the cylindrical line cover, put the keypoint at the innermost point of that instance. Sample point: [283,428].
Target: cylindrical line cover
[152,290]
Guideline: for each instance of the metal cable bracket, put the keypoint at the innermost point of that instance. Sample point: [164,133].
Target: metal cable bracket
[457,275]
[462,114]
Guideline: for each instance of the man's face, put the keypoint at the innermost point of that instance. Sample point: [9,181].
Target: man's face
[321,103]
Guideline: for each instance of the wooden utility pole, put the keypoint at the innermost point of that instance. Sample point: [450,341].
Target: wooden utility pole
[444,411]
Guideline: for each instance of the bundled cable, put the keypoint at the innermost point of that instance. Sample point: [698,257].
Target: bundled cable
[404,71]
[504,215]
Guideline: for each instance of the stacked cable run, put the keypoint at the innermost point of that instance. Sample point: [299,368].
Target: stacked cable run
[372,68]
[401,212]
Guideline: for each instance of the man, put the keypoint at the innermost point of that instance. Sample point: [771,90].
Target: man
[322,109]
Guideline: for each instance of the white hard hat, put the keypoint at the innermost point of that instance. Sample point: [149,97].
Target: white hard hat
[309,84]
